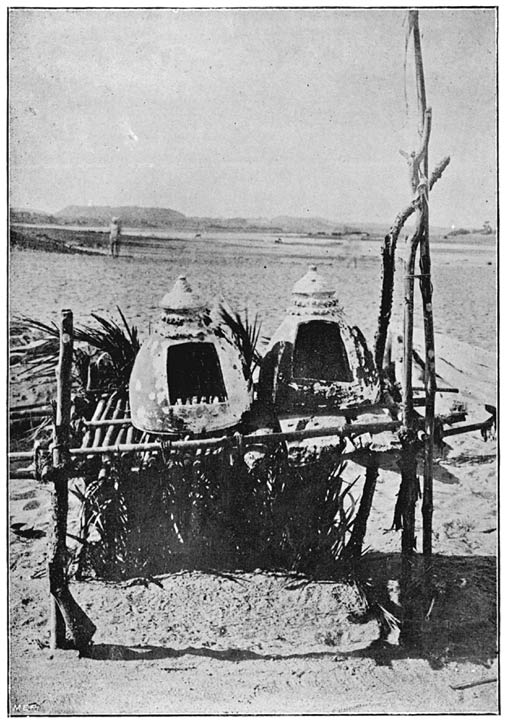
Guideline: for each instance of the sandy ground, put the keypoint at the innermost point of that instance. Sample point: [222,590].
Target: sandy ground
[258,643]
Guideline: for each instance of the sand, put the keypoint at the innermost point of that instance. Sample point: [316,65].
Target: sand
[253,643]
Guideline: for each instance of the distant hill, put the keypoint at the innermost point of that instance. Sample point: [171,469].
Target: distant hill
[153,217]
[32,217]
[131,216]
[303,224]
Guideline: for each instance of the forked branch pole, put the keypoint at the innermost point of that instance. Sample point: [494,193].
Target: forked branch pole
[421,187]
[388,266]
[66,615]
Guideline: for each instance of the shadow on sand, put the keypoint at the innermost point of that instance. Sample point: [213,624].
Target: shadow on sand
[389,460]
[450,603]
[447,608]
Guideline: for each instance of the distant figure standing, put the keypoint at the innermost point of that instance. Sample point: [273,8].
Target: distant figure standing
[351,251]
[115,236]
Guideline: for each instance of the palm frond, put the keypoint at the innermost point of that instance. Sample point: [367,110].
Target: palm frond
[118,344]
[246,334]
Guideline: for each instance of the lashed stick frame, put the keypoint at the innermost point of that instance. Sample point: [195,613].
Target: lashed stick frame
[70,626]
[104,436]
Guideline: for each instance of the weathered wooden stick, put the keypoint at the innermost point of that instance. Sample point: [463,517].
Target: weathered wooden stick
[475,683]
[61,436]
[122,433]
[124,430]
[418,163]
[388,267]
[96,414]
[408,464]
[29,413]
[465,428]
[340,430]
[130,435]
[65,613]
[354,547]
[101,423]
[32,406]
[111,431]
[411,599]
[426,292]
[99,433]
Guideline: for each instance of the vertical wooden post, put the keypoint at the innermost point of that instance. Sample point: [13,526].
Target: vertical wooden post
[426,292]
[58,549]
[408,460]
[413,600]
[419,182]
[66,615]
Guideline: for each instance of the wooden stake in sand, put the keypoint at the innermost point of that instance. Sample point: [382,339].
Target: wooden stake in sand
[418,163]
[66,615]
[426,292]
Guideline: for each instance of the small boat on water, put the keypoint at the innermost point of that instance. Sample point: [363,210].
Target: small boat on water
[188,375]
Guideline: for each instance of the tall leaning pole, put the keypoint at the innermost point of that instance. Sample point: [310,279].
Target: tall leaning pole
[420,240]
[427,299]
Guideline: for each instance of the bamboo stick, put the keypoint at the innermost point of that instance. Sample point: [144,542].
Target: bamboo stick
[32,406]
[27,472]
[121,436]
[28,414]
[96,414]
[111,431]
[97,439]
[101,423]
[130,434]
[340,431]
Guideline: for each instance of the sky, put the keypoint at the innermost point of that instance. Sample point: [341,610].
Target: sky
[250,113]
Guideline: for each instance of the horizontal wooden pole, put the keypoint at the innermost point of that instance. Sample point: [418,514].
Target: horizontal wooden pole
[101,423]
[439,389]
[29,414]
[339,431]
[31,406]
[21,455]
[451,418]
[465,428]
[342,431]
[22,473]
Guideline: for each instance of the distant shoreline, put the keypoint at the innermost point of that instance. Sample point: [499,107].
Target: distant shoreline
[88,235]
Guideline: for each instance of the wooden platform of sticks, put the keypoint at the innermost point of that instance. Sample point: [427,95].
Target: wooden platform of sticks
[110,432]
